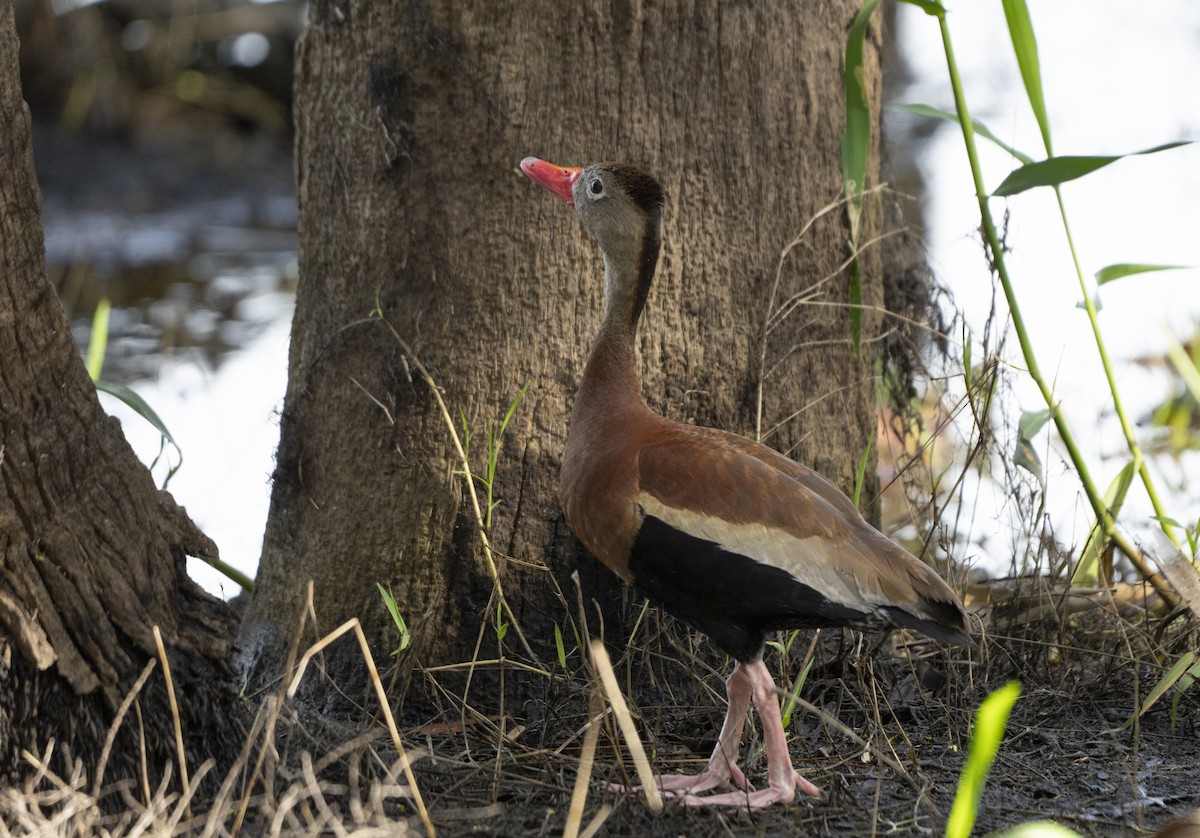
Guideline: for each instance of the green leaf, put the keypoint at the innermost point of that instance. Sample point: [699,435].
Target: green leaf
[990,721]
[1114,499]
[99,339]
[1020,30]
[949,116]
[1164,683]
[1183,363]
[558,644]
[1026,455]
[856,139]
[138,405]
[389,601]
[1058,170]
[930,7]
[861,475]
[501,625]
[1032,421]
[1121,270]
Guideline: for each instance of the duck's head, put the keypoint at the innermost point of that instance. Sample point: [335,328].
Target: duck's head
[622,207]
[616,202]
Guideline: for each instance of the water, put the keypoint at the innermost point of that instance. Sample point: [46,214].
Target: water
[200,268]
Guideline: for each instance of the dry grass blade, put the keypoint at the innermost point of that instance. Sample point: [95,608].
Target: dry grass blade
[470,484]
[833,721]
[221,803]
[116,725]
[354,625]
[586,760]
[185,804]
[183,772]
[276,706]
[625,721]
[318,796]
[64,810]
[596,822]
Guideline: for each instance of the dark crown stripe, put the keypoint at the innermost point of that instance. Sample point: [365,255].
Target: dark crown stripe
[643,190]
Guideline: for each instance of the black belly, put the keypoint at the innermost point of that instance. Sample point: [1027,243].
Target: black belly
[732,598]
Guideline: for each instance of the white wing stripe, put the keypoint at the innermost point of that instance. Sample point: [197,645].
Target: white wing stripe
[810,561]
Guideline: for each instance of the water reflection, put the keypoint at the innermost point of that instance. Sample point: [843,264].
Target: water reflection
[201,272]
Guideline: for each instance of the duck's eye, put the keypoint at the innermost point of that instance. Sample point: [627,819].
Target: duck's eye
[597,186]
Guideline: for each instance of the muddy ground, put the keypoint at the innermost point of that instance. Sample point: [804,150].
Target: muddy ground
[1067,754]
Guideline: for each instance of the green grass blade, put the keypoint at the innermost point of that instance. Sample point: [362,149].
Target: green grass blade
[1020,29]
[856,152]
[1186,367]
[1058,170]
[990,721]
[98,342]
[790,707]
[512,409]
[1114,499]
[856,138]
[949,116]
[1165,683]
[229,571]
[558,645]
[861,475]
[1122,270]
[389,601]
[933,8]
[138,405]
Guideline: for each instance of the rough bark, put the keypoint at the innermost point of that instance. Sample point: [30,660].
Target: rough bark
[411,118]
[92,553]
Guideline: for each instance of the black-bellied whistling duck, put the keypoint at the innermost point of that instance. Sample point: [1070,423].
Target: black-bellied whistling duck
[725,533]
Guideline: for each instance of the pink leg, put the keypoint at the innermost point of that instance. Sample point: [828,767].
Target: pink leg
[784,778]
[722,765]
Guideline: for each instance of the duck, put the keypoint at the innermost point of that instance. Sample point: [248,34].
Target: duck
[724,533]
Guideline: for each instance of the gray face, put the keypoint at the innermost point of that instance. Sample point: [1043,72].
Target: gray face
[607,211]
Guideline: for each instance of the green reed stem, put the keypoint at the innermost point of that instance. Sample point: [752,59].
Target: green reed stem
[1103,516]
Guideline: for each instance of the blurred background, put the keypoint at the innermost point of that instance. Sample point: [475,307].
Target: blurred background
[162,137]
[163,144]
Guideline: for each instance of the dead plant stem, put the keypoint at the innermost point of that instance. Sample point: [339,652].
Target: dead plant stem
[470,483]
[183,770]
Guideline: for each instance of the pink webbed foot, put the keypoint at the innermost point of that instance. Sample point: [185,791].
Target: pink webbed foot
[785,779]
[722,765]
[749,681]
[784,793]
[691,784]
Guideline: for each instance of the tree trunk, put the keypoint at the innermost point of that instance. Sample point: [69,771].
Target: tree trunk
[411,118]
[93,554]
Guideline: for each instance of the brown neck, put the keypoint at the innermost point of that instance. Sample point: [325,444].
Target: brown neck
[611,378]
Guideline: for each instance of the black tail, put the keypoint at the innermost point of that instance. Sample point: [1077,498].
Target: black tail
[950,625]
